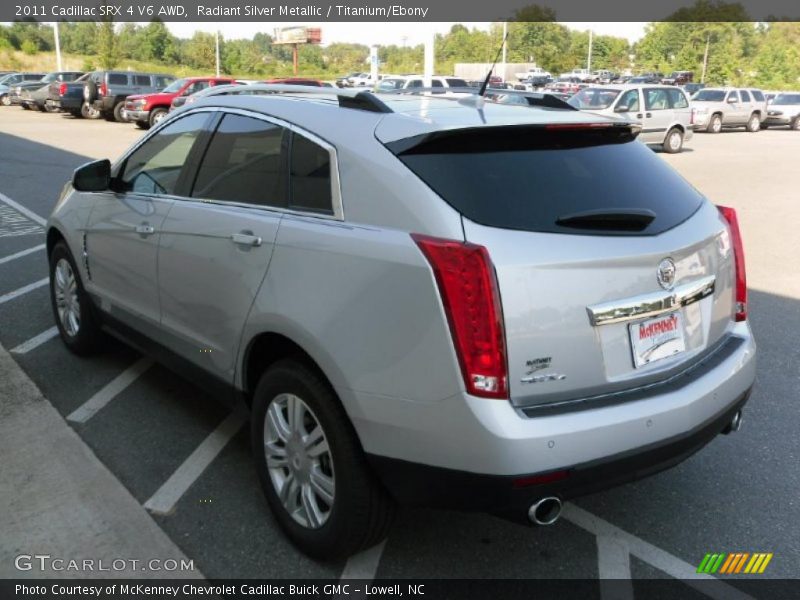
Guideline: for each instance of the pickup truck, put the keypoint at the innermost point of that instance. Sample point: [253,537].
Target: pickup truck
[34,95]
[68,97]
[535,72]
[145,110]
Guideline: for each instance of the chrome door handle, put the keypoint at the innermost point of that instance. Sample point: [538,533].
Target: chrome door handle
[145,229]
[246,239]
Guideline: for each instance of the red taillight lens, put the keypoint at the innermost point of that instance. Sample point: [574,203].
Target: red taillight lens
[738,255]
[103,90]
[62,89]
[468,287]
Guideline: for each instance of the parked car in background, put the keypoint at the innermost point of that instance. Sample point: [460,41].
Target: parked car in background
[68,97]
[363,80]
[439,83]
[582,75]
[564,85]
[34,95]
[344,80]
[294,81]
[771,95]
[418,302]
[604,76]
[106,91]
[693,88]
[678,78]
[535,72]
[533,82]
[647,78]
[663,111]
[11,79]
[716,108]
[145,110]
[784,110]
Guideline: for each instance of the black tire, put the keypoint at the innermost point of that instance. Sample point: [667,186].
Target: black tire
[753,123]
[673,142]
[142,124]
[76,113]
[714,124]
[764,126]
[156,115]
[795,124]
[89,337]
[119,109]
[362,510]
[89,91]
[108,115]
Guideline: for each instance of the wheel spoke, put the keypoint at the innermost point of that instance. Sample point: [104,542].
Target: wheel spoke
[315,443]
[277,424]
[288,493]
[312,512]
[276,455]
[322,485]
[295,410]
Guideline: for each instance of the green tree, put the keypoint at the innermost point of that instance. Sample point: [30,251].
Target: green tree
[107,50]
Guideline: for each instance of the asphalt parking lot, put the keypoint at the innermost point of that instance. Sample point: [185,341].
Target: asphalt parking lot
[737,495]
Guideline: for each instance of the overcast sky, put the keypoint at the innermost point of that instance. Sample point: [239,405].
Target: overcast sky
[382,33]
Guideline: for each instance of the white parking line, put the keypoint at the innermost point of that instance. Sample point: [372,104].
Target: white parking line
[656,557]
[168,495]
[614,568]
[89,408]
[21,253]
[23,290]
[25,211]
[364,565]
[35,341]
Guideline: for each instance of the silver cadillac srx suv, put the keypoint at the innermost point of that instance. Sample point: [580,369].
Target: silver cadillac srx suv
[420,299]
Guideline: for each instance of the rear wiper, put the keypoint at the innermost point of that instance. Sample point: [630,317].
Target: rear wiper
[609,219]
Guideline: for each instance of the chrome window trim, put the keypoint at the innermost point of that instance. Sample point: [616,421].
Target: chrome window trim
[336,189]
[651,305]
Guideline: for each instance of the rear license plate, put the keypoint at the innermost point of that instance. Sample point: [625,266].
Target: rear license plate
[656,338]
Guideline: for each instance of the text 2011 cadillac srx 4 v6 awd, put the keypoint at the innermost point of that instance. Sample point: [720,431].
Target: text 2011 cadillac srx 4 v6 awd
[421,299]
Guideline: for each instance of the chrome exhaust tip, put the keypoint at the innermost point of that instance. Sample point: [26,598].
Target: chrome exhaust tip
[545,511]
[735,424]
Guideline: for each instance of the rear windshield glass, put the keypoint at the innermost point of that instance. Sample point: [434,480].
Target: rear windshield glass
[532,179]
[710,96]
[593,98]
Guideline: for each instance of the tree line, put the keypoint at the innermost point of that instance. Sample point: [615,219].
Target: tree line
[738,52]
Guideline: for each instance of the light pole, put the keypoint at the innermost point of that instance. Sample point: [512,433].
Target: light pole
[58,47]
[216,49]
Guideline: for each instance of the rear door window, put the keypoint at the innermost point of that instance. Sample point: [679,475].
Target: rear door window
[142,80]
[531,179]
[245,162]
[656,99]
[677,98]
[758,95]
[745,95]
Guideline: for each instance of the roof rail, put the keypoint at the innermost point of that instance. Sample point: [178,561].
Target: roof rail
[356,99]
[544,99]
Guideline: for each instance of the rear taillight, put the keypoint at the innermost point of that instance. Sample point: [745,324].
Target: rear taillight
[62,89]
[103,89]
[468,288]
[738,255]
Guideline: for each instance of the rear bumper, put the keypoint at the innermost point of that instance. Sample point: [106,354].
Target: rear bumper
[54,104]
[480,437]
[506,496]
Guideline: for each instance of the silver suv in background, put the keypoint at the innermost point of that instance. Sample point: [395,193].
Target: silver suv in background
[715,108]
[784,110]
[419,299]
[662,110]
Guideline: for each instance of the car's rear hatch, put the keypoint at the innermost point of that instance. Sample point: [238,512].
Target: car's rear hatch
[614,273]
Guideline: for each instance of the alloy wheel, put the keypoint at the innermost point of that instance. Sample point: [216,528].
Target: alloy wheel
[66,295]
[299,461]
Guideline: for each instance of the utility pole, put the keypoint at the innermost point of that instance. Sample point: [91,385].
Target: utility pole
[216,50]
[427,76]
[705,60]
[58,47]
[589,57]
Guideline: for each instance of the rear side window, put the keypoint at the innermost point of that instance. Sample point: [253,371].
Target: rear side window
[656,99]
[310,176]
[745,95]
[677,99]
[155,167]
[162,81]
[456,83]
[758,95]
[532,179]
[245,162]
[142,80]
[117,79]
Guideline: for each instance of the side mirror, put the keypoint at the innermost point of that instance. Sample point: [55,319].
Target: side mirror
[92,177]
[622,108]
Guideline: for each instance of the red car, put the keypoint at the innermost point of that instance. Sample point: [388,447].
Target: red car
[148,109]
